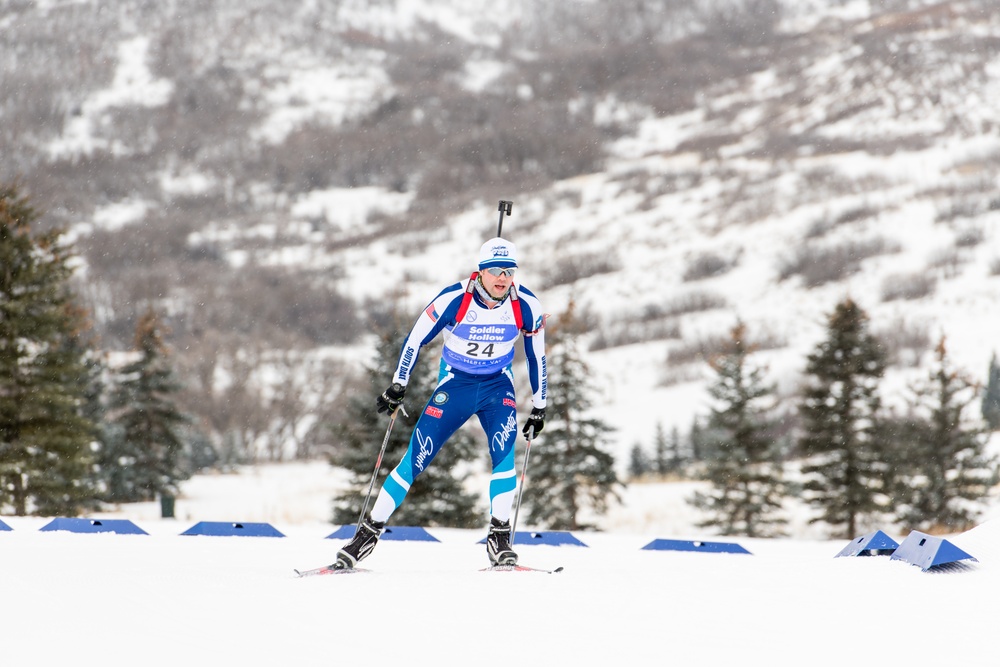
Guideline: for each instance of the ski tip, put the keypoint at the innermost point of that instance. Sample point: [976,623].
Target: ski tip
[327,570]
[519,568]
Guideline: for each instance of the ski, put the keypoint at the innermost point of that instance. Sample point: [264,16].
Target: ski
[326,569]
[519,568]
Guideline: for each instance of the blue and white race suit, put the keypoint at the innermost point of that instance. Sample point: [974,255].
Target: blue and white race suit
[475,379]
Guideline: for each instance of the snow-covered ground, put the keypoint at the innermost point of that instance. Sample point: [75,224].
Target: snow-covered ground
[166,599]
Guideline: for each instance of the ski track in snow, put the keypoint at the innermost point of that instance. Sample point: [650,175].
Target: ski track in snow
[164,598]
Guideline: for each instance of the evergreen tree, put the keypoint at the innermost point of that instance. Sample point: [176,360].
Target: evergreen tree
[946,471]
[638,465]
[661,460]
[697,438]
[45,463]
[676,461]
[991,398]
[847,472]
[142,457]
[745,466]
[438,496]
[571,471]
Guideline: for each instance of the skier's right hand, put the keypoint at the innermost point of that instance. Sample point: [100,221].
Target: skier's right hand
[391,398]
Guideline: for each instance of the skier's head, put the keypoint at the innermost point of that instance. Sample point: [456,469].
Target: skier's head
[497,253]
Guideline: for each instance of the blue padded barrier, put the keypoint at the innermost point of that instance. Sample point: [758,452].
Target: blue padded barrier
[873,544]
[398,533]
[119,526]
[552,537]
[4,526]
[926,551]
[696,545]
[228,529]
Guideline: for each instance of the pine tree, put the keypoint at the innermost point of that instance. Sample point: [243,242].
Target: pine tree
[697,438]
[638,465]
[45,463]
[744,467]
[847,470]
[438,496]
[946,471]
[676,461]
[143,455]
[571,471]
[662,462]
[991,398]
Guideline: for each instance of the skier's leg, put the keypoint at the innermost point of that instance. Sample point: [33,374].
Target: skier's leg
[444,413]
[498,416]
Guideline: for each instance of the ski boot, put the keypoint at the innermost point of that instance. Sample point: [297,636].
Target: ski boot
[360,545]
[498,543]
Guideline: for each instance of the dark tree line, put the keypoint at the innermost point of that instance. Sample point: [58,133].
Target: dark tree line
[926,468]
[73,434]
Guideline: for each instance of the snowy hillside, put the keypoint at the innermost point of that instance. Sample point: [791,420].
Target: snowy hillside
[849,149]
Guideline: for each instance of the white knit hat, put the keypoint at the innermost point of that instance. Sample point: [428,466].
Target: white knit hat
[497,252]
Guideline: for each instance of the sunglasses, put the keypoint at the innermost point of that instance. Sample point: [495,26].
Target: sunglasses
[496,271]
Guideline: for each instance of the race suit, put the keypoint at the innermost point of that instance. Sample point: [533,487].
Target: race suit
[475,378]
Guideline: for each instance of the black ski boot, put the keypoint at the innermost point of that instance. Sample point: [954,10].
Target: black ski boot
[360,545]
[498,543]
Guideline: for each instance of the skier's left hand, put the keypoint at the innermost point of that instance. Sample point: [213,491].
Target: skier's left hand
[535,423]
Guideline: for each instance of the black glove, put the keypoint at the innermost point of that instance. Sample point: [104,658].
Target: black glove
[391,398]
[535,423]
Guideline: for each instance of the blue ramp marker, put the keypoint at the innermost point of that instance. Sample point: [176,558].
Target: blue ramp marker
[926,551]
[551,537]
[119,526]
[872,544]
[4,526]
[557,538]
[696,545]
[228,529]
[398,533]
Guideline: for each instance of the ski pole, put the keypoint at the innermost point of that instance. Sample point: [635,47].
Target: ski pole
[520,488]
[378,463]
[505,207]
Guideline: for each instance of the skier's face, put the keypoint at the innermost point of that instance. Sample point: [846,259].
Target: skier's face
[497,286]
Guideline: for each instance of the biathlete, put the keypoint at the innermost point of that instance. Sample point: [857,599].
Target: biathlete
[482,319]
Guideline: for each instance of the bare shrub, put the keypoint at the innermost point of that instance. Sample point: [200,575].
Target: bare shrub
[568,270]
[820,265]
[904,341]
[629,332]
[967,206]
[908,286]
[680,374]
[699,350]
[969,237]
[692,302]
[707,265]
[654,322]
[706,347]
[947,260]
[819,228]
[824,183]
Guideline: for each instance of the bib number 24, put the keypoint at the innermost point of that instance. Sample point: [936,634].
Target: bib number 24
[475,351]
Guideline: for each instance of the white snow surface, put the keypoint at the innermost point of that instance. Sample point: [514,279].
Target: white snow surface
[167,599]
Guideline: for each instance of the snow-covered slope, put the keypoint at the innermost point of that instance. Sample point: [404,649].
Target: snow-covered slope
[162,599]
